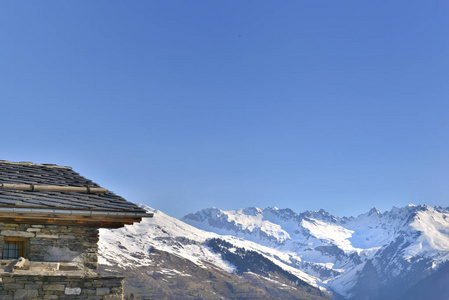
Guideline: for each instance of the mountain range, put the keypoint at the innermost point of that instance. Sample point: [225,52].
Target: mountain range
[276,253]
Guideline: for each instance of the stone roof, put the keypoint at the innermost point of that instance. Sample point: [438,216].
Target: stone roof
[53,175]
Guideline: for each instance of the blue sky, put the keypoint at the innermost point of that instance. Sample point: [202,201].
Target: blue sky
[184,105]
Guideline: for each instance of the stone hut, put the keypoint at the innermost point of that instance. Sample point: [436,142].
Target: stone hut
[49,221]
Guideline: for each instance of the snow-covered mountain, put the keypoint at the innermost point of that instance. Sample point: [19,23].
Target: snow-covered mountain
[372,256]
[187,251]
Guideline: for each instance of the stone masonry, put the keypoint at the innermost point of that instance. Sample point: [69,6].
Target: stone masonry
[77,244]
[15,286]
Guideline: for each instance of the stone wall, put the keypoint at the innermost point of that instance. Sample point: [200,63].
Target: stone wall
[38,287]
[55,243]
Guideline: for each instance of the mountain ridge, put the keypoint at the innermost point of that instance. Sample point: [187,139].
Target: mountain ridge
[346,248]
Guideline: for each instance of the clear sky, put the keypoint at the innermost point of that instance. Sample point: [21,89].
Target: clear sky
[183,105]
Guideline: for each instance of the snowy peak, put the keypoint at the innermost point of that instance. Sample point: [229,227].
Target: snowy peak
[284,214]
[205,214]
[270,226]
[373,211]
[319,215]
[433,227]
[248,222]
[251,211]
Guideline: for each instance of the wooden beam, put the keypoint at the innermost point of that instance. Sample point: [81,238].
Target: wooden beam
[67,223]
[52,188]
[93,221]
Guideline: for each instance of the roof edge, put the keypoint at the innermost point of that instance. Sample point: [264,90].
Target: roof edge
[27,163]
[75,212]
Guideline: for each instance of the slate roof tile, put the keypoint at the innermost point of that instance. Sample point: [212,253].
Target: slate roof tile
[43,174]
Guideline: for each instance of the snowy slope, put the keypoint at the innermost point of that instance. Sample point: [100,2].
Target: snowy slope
[130,246]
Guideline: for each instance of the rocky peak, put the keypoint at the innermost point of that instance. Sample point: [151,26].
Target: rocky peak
[373,211]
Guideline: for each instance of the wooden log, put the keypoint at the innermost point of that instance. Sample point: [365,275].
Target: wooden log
[93,221]
[52,188]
